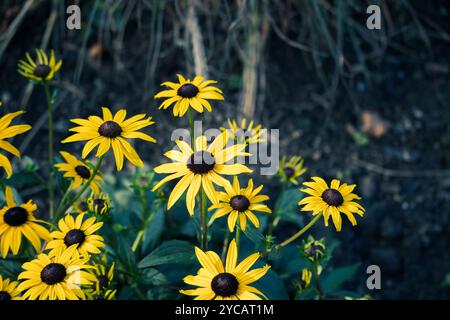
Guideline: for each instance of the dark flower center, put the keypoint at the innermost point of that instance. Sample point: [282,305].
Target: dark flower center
[99,205]
[41,71]
[74,236]
[187,90]
[4,296]
[201,162]
[83,172]
[15,216]
[103,281]
[224,284]
[289,172]
[332,197]
[53,273]
[110,129]
[239,203]
[314,251]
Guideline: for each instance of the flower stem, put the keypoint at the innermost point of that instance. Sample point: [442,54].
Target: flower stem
[298,234]
[51,181]
[238,236]
[316,278]
[83,189]
[191,126]
[275,218]
[203,217]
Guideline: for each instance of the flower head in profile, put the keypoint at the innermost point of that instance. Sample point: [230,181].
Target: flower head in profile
[99,203]
[104,277]
[229,282]
[331,201]
[314,250]
[8,290]
[7,131]
[42,68]
[305,280]
[240,203]
[200,167]
[78,171]
[291,169]
[186,94]
[78,232]
[111,132]
[56,277]
[17,220]
[245,131]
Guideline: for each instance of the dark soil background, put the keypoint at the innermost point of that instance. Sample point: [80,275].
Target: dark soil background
[368,106]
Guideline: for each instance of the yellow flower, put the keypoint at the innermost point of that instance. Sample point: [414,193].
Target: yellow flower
[78,171]
[99,204]
[331,201]
[7,131]
[103,277]
[292,169]
[41,69]
[240,203]
[8,290]
[187,93]
[78,232]
[17,220]
[56,277]
[225,283]
[245,132]
[305,281]
[111,132]
[200,168]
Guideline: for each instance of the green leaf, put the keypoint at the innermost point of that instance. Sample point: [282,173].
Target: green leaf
[154,277]
[153,231]
[287,208]
[272,286]
[173,251]
[255,236]
[333,280]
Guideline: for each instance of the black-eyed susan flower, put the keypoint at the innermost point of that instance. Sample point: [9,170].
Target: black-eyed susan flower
[245,131]
[291,169]
[200,167]
[111,132]
[99,203]
[331,201]
[17,221]
[7,131]
[313,249]
[103,275]
[78,171]
[187,93]
[229,282]
[8,290]
[56,277]
[305,280]
[79,232]
[42,68]
[240,203]
[81,206]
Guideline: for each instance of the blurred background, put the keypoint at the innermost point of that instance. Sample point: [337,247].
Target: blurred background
[367,106]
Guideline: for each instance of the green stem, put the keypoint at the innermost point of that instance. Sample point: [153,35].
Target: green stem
[63,200]
[203,216]
[298,234]
[51,181]
[83,189]
[225,244]
[191,126]
[238,236]
[147,220]
[316,278]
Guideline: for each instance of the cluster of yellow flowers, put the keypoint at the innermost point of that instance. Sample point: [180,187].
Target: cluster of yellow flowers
[62,269]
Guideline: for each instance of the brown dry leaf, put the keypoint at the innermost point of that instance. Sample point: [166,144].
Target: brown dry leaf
[373,124]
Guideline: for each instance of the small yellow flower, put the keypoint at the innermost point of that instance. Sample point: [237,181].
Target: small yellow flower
[78,171]
[17,220]
[78,232]
[99,204]
[331,200]
[8,290]
[110,132]
[229,282]
[305,280]
[313,249]
[103,277]
[200,167]
[240,203]
[187,93]
[245,131]
[43,68]
[56,277]
[292,169]
[7,131]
